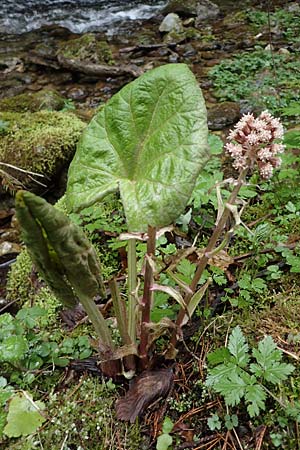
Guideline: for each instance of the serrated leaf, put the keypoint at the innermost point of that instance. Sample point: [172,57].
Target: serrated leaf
[217,374]
[150,142]
[220,355]
[255,396]
[277,372]
[24,416]
[266,352]
[163,442]
[269,365]
[232,388]
[238,347]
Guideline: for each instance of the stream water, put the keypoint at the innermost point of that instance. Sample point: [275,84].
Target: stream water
[20,16]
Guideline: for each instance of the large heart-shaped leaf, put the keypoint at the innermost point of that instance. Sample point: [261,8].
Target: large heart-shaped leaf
[150,141]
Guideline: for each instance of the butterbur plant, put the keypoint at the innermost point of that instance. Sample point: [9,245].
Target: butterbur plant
[149,142]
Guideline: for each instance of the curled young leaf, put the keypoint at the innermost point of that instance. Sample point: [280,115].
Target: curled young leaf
[63,255]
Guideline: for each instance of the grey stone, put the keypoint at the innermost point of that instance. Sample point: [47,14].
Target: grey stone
[171,22]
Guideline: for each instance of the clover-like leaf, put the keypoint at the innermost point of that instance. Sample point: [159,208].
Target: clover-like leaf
[150,142]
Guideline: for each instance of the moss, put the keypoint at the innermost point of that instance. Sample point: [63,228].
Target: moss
[83,417]
[89,48]
[19,285]
[32,102]
[40,142]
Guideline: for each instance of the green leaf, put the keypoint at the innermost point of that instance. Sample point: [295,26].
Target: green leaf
[150,142]
[3,382]
[215,144]
[31,315]
[220,373]
[24,415]
[167,425]
[269,365]
[163,442]
[256,397]
[3,415]
[238,347]
[13,348]
[231,421]
[214,422]
[220,355]
[292,139]
[232,388]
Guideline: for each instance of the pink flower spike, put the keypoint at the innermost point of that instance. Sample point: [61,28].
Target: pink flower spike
[252,142]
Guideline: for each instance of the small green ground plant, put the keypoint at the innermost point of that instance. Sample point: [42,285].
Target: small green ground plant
[249,76]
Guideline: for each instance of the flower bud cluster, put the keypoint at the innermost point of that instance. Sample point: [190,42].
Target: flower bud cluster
[254,141]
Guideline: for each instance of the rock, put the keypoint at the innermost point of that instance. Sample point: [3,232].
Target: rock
[7,248]
[201,9]
[44,99]
[171,22]
[206,10]
[223,115]
[86,48]
[44,54]
[77,93]
[41,142]
[183,8]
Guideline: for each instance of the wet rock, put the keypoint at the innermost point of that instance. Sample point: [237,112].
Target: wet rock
[171,22]
[44,99]
[41,142]
[223,115]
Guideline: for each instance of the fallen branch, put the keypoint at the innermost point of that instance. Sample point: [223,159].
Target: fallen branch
[101,70]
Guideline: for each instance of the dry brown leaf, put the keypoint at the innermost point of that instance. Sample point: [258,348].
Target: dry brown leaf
[144,389]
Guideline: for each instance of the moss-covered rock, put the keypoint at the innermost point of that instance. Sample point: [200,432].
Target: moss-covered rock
[32,102]
[41,142]
[87,48]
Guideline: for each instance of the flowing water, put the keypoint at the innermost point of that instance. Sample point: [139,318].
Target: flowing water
[20,16]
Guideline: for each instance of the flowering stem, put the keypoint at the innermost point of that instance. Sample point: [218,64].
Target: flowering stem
[147,297]
[210,247]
